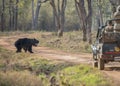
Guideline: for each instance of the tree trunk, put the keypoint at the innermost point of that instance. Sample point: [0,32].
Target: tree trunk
[10,13]
[59,12]
[57,19]
[100,12]
[85,18]
[82,15]
[89,21]
[33,26]
[13,17]
[39,2]
[16,15]
[2,16]
[37,14]
[64,2]
[54,21]
[78,12]
[60,32]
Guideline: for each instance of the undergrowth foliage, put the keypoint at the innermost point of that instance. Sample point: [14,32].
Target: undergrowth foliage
[70,42]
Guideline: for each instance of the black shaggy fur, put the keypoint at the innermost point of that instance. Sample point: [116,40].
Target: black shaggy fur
[26,44]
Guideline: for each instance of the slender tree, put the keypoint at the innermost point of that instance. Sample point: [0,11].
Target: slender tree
[10,14]
[39,2]
[59,13]
[54,21]
[85,17]
[78,12]
[89,21]
[16,15]
[13,16]
[100,12]
[37,13]
[33,26]
[2,16]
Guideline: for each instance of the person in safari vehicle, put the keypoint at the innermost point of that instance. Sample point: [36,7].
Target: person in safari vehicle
[109,27]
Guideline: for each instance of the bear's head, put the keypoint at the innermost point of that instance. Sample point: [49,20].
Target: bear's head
[35,42]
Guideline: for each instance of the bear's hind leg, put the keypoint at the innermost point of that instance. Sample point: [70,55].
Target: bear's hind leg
[25,49]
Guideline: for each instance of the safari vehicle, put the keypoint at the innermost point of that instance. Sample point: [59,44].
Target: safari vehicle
[106,48]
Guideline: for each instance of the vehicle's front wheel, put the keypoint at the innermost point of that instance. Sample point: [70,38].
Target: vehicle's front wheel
[101,64]
[95,56]
[95,64]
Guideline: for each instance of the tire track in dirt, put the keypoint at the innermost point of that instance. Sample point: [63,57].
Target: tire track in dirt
[112,70]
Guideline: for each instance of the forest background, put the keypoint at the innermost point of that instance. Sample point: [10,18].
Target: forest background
[56,15]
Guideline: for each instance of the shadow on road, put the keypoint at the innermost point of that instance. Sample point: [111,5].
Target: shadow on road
[112,69]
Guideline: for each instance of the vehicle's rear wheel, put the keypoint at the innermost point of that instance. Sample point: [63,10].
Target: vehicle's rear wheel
[101,64]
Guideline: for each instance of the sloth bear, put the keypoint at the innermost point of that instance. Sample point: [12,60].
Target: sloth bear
[26,44]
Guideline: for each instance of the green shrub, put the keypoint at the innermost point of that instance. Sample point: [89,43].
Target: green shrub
[82,75]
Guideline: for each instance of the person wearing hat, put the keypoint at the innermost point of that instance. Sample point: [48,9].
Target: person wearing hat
[109,27]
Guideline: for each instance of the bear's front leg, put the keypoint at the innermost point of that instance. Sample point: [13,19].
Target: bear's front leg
[30,49]
[18,49]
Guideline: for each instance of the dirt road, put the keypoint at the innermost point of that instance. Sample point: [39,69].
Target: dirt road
[112,70]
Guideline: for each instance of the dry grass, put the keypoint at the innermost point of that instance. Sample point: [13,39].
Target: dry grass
[24,78]
[70,42]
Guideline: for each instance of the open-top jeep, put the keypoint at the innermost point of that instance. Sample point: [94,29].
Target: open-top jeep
[106,47]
